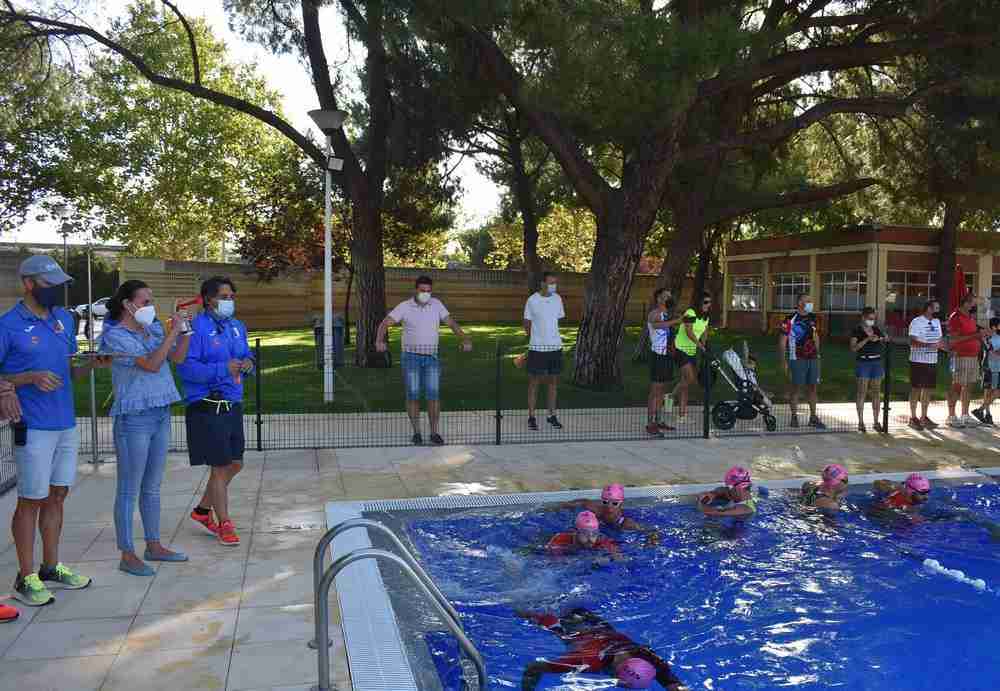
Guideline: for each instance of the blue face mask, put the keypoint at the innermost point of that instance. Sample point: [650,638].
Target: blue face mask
[226,308]
[49,296]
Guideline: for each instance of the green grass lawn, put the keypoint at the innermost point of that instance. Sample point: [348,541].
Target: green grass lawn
[291,382]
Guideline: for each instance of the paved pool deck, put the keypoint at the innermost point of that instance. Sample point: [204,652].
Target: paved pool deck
[238,618]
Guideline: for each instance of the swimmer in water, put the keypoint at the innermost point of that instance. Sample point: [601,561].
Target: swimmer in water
[586,536]
[908,496]
[827,493]
[610,511]
[595,647]
[736,497]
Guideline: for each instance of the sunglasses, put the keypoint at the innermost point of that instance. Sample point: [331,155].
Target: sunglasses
[608,502]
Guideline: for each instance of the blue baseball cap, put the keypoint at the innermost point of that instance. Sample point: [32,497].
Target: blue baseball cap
[46,268]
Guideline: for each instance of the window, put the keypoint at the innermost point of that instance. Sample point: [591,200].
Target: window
[787,288]
[907,291]
[747,294]
[995,297]
[843,291]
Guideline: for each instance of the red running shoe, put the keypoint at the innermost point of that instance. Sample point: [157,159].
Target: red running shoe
[227,534]
[8,614]
[206,522]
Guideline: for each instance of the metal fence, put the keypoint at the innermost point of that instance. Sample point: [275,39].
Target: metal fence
[8,471]
[484,400]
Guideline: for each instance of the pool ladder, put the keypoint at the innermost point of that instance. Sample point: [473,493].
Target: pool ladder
[322,580]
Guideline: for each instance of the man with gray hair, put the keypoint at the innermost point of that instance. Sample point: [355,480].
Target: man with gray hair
[37,342]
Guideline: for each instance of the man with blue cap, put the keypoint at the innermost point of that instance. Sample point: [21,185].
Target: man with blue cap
[37,342]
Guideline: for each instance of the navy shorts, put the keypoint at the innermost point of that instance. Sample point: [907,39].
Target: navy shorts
[869,369]
[805,372]
[214,435]
[661,368]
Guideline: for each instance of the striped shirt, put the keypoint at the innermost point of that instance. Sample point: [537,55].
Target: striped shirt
[659,339]
[928,331]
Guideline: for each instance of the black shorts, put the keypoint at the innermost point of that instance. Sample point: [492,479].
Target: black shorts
[545,363]
[682,358]
[214,438]
[923,375]
[661,368]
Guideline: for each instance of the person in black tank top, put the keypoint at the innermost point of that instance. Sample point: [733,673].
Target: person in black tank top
[868,345]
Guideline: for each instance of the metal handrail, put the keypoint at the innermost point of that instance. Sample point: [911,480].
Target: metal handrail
[323,612]
[344,526]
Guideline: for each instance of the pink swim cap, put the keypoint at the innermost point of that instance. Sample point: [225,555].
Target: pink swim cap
[586,520]
[636,673]
[834,473]
[917,483]
[736,476]
[613,492]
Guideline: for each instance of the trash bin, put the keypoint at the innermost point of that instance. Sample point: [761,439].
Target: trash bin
[338,342]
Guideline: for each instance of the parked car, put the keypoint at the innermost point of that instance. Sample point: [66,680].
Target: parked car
[100,309]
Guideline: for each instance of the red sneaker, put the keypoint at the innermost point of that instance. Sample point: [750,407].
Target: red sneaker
[8,614]
[227,534]
[206,522]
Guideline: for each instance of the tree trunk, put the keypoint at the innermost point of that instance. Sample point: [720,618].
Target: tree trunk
[347,305]
[524,192]
[369,273]
[716,286]
[946,255]
[616,256]
[677,263]
[701,271]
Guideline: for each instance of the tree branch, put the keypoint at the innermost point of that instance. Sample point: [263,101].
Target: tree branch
[804,197]
[191,42]
[267,117]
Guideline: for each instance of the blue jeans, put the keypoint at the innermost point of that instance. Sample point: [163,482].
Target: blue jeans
[141,442]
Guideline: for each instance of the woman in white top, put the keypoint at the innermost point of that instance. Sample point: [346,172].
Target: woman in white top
[661,364]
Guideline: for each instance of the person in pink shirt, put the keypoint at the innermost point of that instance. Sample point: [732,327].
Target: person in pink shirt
[421,317]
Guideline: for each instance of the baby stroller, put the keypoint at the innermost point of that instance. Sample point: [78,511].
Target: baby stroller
[751,400]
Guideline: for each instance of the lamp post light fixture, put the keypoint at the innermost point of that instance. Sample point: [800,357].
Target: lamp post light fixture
[328,121]
[62,212]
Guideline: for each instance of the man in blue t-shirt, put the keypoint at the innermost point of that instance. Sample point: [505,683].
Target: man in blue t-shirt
[37,342]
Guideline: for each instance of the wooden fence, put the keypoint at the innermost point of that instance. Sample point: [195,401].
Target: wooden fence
[472,295]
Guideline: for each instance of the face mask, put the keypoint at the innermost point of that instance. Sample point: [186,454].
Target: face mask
[226,308]
[423,298]
[669,304]
[809,307]
[47,297]
[145,315]
[552,288]
[869,322]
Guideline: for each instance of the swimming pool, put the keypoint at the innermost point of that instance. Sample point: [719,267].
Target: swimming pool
[786,599]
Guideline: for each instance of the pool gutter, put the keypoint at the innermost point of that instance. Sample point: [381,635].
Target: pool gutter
[376,654]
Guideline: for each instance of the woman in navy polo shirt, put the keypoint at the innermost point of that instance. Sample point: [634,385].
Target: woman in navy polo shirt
[212,376]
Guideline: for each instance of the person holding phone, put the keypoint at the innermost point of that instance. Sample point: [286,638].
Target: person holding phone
[144,390]
[212,377]
[37,345]
[868,346]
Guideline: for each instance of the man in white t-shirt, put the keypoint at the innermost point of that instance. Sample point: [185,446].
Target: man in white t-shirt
[926,339]
[542,313]
[421,317]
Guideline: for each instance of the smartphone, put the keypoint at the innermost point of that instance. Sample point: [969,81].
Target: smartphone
[20,433]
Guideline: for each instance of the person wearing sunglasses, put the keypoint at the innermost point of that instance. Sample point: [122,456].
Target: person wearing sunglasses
[906,496]
[689,340]
[734,500]
[610,511]
[586,536]
[827,493]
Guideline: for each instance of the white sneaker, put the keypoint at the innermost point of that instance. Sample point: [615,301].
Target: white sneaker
[970,421]
[953,421]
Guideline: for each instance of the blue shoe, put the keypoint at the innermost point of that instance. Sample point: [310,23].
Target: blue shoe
[176,556]
[144,570]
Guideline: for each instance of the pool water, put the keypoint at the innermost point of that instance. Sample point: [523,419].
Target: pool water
[788,598]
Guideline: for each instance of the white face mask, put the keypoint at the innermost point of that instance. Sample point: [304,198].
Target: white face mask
[226,308]
[423,298]
[869,322]
[809,307]
[552,288]
[145,315]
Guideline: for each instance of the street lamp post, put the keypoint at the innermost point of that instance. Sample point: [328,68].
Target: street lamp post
[62,212]
[328,121]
